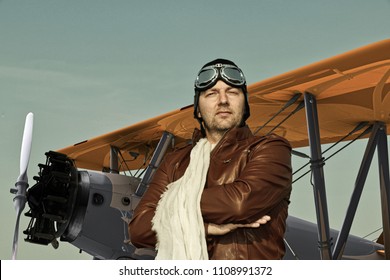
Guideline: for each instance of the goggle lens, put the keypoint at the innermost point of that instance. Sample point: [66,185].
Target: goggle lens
[233,75]
[206,77]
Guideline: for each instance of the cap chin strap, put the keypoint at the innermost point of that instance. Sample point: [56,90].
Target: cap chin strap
[202,129]
[200,120]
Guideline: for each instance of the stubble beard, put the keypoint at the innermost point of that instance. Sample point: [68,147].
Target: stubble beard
[220,128]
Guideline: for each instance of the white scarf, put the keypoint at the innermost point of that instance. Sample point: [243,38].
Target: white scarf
[178,221]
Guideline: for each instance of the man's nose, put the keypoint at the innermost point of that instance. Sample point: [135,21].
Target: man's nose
[223,98]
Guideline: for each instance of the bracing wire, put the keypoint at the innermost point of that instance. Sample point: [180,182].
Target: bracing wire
[367,130]
[298,108]
[124,162]
[290,249]
[147,158]
[288,104]
[373,232]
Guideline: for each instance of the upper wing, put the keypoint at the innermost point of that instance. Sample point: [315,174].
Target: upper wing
[136,142]
[349,88]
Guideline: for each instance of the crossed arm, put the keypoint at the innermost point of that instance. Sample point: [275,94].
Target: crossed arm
[248,198]
[214,229]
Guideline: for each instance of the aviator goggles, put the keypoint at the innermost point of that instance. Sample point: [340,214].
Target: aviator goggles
[230,74]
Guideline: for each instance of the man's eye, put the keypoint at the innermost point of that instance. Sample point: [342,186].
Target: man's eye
[233,92]
[210,94]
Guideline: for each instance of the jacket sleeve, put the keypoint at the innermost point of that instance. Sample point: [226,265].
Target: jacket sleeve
[263,184]
[140,227]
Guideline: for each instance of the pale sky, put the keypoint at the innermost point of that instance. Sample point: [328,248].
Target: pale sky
[87,67]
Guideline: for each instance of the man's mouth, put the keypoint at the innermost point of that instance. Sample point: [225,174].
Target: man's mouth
[224,113]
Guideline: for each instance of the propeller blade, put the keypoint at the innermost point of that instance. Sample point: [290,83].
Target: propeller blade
[16,233]
[26,147]
[22,181]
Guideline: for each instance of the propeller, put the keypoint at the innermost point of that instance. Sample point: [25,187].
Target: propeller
[22,181]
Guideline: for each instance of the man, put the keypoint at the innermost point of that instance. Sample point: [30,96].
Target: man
[226,195]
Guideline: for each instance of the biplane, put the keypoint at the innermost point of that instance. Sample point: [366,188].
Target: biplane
[85,194]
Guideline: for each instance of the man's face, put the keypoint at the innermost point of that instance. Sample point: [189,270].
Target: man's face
[221,107]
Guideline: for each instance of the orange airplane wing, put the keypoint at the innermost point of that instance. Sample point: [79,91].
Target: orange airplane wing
[349,88]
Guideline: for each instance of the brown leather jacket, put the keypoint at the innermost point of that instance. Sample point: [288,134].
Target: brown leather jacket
[249,177]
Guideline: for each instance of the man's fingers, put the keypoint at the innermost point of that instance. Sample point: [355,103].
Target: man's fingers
[251,225]
[263,220]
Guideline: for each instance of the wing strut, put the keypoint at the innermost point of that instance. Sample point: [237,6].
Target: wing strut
[384,177]
[114,166]
[359,184]
[377,140]
[317,162]
[165,141]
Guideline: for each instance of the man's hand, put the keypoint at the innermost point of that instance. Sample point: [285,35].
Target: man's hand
[214,229]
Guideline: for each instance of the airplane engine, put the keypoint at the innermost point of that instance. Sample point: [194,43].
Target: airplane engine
[89,209]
